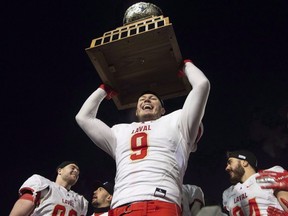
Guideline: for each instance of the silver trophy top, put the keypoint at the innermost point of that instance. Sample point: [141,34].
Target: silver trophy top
[141,10]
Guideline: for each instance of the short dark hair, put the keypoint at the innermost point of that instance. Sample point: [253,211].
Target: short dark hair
[154,93]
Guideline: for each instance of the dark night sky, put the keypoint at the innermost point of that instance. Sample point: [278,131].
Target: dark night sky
[46,76]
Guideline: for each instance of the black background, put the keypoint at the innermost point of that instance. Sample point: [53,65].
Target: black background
[46,76]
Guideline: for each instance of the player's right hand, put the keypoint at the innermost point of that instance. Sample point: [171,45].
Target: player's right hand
[109,91]
[181,68]
[273,180]
[272,211]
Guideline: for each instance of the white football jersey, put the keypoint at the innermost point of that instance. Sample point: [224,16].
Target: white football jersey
[249,198]
[54,199]
[191,194]
[156,151]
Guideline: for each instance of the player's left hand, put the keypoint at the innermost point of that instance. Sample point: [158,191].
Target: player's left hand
[109,91]
[273,180]
[272,211]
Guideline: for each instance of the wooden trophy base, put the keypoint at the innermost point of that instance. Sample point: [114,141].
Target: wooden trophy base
[137,57]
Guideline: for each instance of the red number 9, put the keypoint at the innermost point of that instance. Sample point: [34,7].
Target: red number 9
[139,146]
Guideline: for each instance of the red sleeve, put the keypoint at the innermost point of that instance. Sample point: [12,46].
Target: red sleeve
[28,195]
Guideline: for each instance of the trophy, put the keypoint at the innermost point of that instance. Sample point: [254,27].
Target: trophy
[141,55]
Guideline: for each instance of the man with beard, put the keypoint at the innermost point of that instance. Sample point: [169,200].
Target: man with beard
[102,197]
[245,196]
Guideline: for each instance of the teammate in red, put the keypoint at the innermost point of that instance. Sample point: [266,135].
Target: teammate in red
[40,196]
[245,196]
[151,155]
[276,181]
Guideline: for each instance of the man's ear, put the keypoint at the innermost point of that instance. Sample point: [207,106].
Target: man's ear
[245,163]
[109,198]
[163,111]
[59,171]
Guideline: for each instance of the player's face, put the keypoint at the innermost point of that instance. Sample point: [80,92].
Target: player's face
[235,170]
[70,173]
[149,108]
[101,198]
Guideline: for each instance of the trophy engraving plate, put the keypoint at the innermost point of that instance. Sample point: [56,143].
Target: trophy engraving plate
[137,57]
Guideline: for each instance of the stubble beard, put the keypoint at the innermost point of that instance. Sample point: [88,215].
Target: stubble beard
[238,174]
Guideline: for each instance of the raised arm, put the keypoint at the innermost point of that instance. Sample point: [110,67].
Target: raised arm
[100,133]
[195,103]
